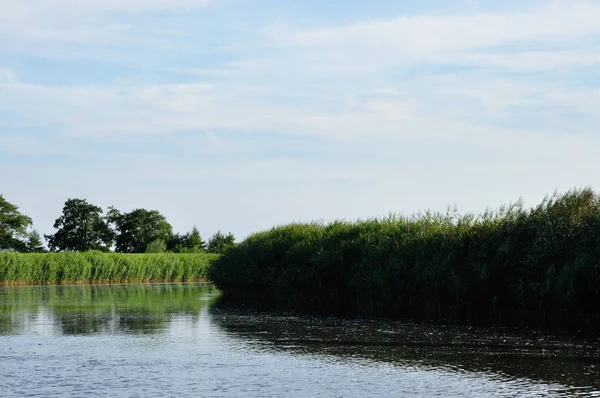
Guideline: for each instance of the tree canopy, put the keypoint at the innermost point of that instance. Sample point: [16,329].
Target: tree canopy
[83,226]
[34,242]
[137,229]
[190,242]
[13,227]
[80,228]
[219,243]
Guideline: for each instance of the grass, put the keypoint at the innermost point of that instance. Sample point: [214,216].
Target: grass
[536,267]
[96,267]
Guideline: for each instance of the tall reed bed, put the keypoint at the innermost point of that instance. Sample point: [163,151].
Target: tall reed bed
[96,267]
[536,267]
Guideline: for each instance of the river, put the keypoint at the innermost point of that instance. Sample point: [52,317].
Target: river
[178,340]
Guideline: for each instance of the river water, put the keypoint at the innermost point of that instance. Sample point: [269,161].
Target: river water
[177,340]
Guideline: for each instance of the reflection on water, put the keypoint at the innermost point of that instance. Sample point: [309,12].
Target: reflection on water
[89,309]
[462,349]
[177,340]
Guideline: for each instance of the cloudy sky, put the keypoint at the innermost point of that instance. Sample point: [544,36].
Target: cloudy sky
[242,114]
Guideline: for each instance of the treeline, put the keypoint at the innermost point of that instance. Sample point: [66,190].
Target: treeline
[83,226]
[537,267]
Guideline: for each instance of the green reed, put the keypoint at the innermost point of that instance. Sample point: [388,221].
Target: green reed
[536,267]
[96,267]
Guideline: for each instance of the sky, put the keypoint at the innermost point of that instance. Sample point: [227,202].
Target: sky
[238,115]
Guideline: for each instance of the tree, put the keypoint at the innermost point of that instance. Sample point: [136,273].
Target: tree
[157,246]
[13,227]
[176,242]
[80,228]
[219,243]
[190,242]
[34,242]
[136,230]
[195,241]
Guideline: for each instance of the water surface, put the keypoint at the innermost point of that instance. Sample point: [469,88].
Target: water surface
[177,340]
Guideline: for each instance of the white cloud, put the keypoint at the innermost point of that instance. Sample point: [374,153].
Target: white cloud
[414,113]
[535,60]
[444,33]
[378,44]
[201,72]
[7,76]
[215,141]
[73,8]
[76,21]
[160,109]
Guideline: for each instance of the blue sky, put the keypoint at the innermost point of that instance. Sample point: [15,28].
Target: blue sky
[243,114]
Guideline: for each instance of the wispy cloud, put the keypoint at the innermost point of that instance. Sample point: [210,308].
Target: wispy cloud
[7,76]
[547,36]
[49,10]
[29,22]
[425,34]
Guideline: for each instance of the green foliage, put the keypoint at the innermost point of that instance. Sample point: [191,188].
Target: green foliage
[97,267]
[195,241]
[220,243]
[136,230]
[157,246]
[13,227]
[34,243]
[535,267]
[80,228]
[187,243]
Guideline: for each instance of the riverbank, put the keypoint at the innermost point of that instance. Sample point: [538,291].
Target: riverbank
[96,267]
[513,267]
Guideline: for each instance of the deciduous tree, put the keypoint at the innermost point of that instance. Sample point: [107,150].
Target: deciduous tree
[13,227]
[137,229]
[80,228]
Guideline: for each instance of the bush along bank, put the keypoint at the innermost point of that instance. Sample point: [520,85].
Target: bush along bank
[513,267]
[97,267]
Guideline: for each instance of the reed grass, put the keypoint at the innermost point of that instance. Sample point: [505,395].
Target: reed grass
[537,267]
[97,267]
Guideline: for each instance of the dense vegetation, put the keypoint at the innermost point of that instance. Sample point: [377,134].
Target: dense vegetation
[83,226]
[536,267]
[14,233]
[80,228]
[97,267]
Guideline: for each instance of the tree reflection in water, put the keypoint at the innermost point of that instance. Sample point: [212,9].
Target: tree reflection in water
[91,309]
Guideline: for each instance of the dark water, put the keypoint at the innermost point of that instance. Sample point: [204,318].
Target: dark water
[176,340]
